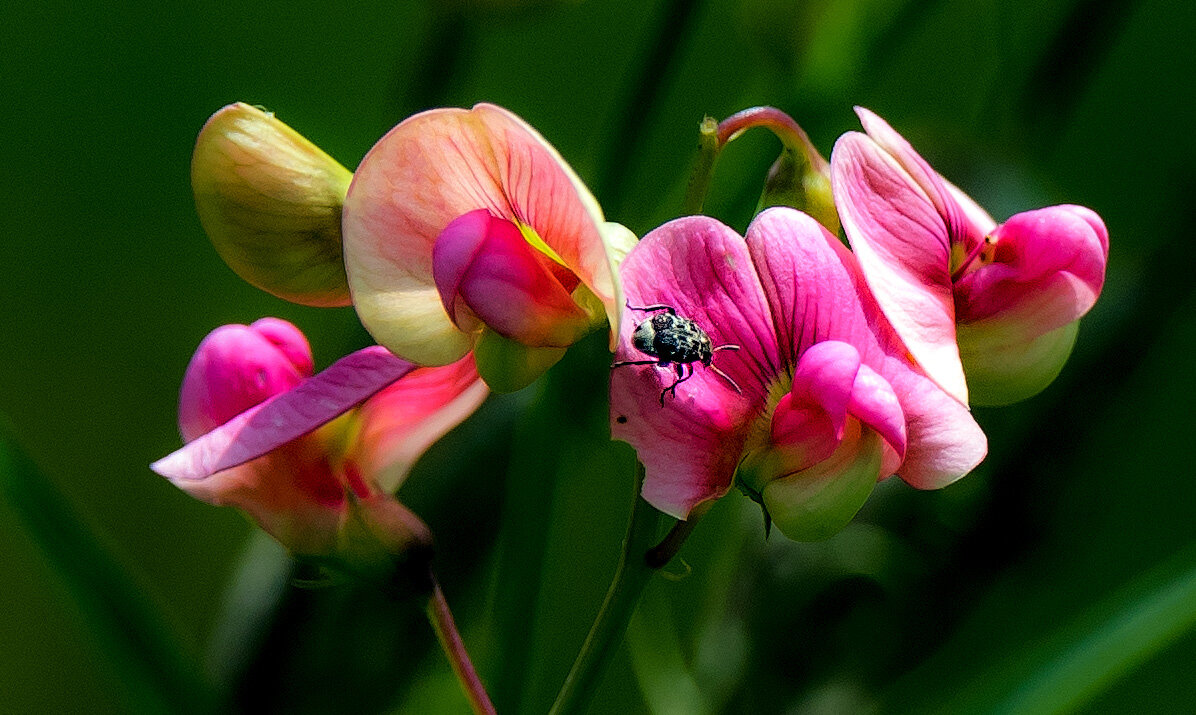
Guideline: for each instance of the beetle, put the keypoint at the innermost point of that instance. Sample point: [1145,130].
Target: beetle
[677,341]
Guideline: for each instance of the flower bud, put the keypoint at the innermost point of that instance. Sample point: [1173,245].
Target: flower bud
[832,436]
[270,201]
[801,178]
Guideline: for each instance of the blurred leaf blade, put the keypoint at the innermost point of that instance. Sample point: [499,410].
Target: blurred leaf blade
[121,615]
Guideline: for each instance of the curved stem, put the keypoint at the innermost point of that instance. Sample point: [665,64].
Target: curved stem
[787,130]
[442,622]
[703,171]
[636,565]
[661,554]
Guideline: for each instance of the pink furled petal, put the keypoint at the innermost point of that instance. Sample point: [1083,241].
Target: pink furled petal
[286,416]
[397,425]
[830,383]
[903,244]
[965,224]
[817,292]
[486,263]
[1047,270]
[874,403]
[455,249]
[825,375]
[690,446]
[432,168]
[802,434]
[289,340]
[236,367]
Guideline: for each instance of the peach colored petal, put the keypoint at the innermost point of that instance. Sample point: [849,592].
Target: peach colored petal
[431,169]
[396,426]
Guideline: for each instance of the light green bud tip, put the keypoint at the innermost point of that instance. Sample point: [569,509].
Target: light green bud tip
[1002,371]
[818,502]
[270,201]
[506,365]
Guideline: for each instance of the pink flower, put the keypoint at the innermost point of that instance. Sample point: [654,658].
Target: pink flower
[999,303]
[464,229]
[262,436]
[825,400]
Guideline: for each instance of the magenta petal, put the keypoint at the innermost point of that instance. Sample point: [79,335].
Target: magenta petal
[286,416]
[690,446]
[817,292]
[1047,271]
[486,263]
[903,245]
[455,249]
[825,376]
[236,367]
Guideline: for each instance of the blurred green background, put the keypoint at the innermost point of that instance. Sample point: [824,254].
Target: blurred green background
[1060,576]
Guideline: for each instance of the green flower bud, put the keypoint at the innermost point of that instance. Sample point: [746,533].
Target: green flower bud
[270,201]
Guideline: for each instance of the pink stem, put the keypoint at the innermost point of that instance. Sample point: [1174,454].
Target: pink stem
[450,640]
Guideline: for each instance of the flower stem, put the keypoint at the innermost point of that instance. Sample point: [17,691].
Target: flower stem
[636,565]
[703,171]
[442,622]
[788,131]
[658,556]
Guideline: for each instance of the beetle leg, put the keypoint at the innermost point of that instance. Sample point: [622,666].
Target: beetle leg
[621,363]
[682,376]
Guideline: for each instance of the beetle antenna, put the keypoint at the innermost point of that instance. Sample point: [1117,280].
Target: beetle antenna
[650,308]
[727,377]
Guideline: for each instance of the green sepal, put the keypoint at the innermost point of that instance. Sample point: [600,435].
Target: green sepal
[507,366]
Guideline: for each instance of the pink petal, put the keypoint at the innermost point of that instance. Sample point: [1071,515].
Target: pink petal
[289,340]
[286,416]
[817,292]
[825,375]
[432,168]
[903,245]
[397,425]
[967,223]
[802,434]
[1048,269]
[809,423]
[236,367]
[690,446]
[486,263]
[875,403]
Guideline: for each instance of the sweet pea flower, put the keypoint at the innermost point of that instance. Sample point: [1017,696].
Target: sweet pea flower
[270,201]
[464,230]
[825,400]
[999,304]
[261,437]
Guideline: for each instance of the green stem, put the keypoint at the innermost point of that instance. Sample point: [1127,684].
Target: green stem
[703,171]
[607,632]
[442,622]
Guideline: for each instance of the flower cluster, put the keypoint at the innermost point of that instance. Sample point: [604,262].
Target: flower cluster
[854,365]
[780,362]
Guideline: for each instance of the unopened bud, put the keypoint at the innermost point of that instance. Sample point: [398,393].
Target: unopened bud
[270,201]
